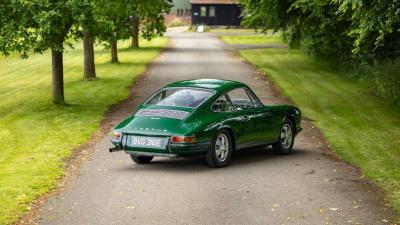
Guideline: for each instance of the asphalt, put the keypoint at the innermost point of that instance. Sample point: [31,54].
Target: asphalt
[307,187]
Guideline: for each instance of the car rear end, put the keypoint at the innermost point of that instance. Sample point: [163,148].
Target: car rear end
[160,132]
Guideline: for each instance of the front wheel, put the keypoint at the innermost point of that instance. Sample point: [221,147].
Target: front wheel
[219,155]
[285,143]
[141,159]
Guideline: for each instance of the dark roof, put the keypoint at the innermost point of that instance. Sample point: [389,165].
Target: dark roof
[227,2]
[214,84]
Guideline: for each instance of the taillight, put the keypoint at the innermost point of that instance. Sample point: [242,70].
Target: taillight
[183,139]
[116,135]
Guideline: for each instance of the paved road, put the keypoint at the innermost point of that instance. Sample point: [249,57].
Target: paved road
[306,187]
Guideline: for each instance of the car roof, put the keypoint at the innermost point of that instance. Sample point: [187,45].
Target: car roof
[212,84]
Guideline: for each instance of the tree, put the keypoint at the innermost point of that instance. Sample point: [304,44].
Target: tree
[363,35]
[114,23]
[359,29]
[375,26]
[314,25]
[147,15]
[87,21]
[35,26]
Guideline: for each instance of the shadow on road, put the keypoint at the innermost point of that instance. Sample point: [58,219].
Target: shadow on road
[241,159]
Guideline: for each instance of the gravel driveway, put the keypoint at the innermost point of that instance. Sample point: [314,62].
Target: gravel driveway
[307,187]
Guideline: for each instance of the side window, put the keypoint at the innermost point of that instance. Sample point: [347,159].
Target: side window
[240,99]
[222,105]
[254,99]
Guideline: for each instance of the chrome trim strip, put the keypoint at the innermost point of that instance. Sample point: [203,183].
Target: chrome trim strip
[169,155]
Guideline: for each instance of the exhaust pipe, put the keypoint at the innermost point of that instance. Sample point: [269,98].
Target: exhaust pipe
[115,149]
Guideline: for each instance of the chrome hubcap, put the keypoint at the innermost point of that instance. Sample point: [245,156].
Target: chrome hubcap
[222,147]
[286,136]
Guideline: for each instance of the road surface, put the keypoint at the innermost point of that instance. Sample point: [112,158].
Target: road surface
[306,187]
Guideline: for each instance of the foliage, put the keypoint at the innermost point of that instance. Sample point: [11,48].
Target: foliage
[37,135]
[34,25]
[357,28]
[380,79]
[361,128]
[375,26]
[113,18]
[38,25]
[360,34]
[117,18]
[387,80]
[277,18]
[84,14]
[150,16]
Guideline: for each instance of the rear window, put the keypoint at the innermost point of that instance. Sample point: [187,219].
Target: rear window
[185,97]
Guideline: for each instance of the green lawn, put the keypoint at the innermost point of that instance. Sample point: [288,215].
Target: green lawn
[253,39]
[36,135]
[231,30]
[361,128]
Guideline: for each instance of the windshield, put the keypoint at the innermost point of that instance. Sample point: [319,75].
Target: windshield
[186,97]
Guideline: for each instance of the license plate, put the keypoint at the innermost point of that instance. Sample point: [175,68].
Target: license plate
[146,142]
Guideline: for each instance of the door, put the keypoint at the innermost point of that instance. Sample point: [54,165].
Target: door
[266,119]
[229,116]
[254,119]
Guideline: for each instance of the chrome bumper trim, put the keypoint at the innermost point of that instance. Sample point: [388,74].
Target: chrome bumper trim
[169,155]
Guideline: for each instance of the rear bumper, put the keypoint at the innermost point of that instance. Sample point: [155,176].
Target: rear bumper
[169,155]
[171,150]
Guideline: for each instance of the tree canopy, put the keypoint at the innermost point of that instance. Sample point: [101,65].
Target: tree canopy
[346,28]
[35,26]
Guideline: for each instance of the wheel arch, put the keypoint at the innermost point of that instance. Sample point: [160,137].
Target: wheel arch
[291,118]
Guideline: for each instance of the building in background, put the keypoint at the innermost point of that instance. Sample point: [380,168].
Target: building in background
[207,12]
[216,12]
[181,8]
[180,13]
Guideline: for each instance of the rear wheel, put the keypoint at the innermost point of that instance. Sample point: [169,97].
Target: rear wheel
[285,143]
[219,155]
[141,159]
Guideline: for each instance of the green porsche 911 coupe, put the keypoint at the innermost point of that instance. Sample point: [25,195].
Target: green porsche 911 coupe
[205,117]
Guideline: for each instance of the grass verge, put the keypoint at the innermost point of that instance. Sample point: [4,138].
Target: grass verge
[253,39]
[232,30]
[361,128]
[37,135]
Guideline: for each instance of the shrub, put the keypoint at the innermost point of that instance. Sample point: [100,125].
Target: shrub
[386,80]
[381,78]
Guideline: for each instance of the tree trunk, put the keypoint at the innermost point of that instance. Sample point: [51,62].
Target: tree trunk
[114,51]
[135,33]
[89,70]
[58,77]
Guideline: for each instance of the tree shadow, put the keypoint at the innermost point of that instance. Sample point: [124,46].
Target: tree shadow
[140,49]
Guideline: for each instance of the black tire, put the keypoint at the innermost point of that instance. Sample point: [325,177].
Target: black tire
[221,158]
[141,159]
[283,147]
